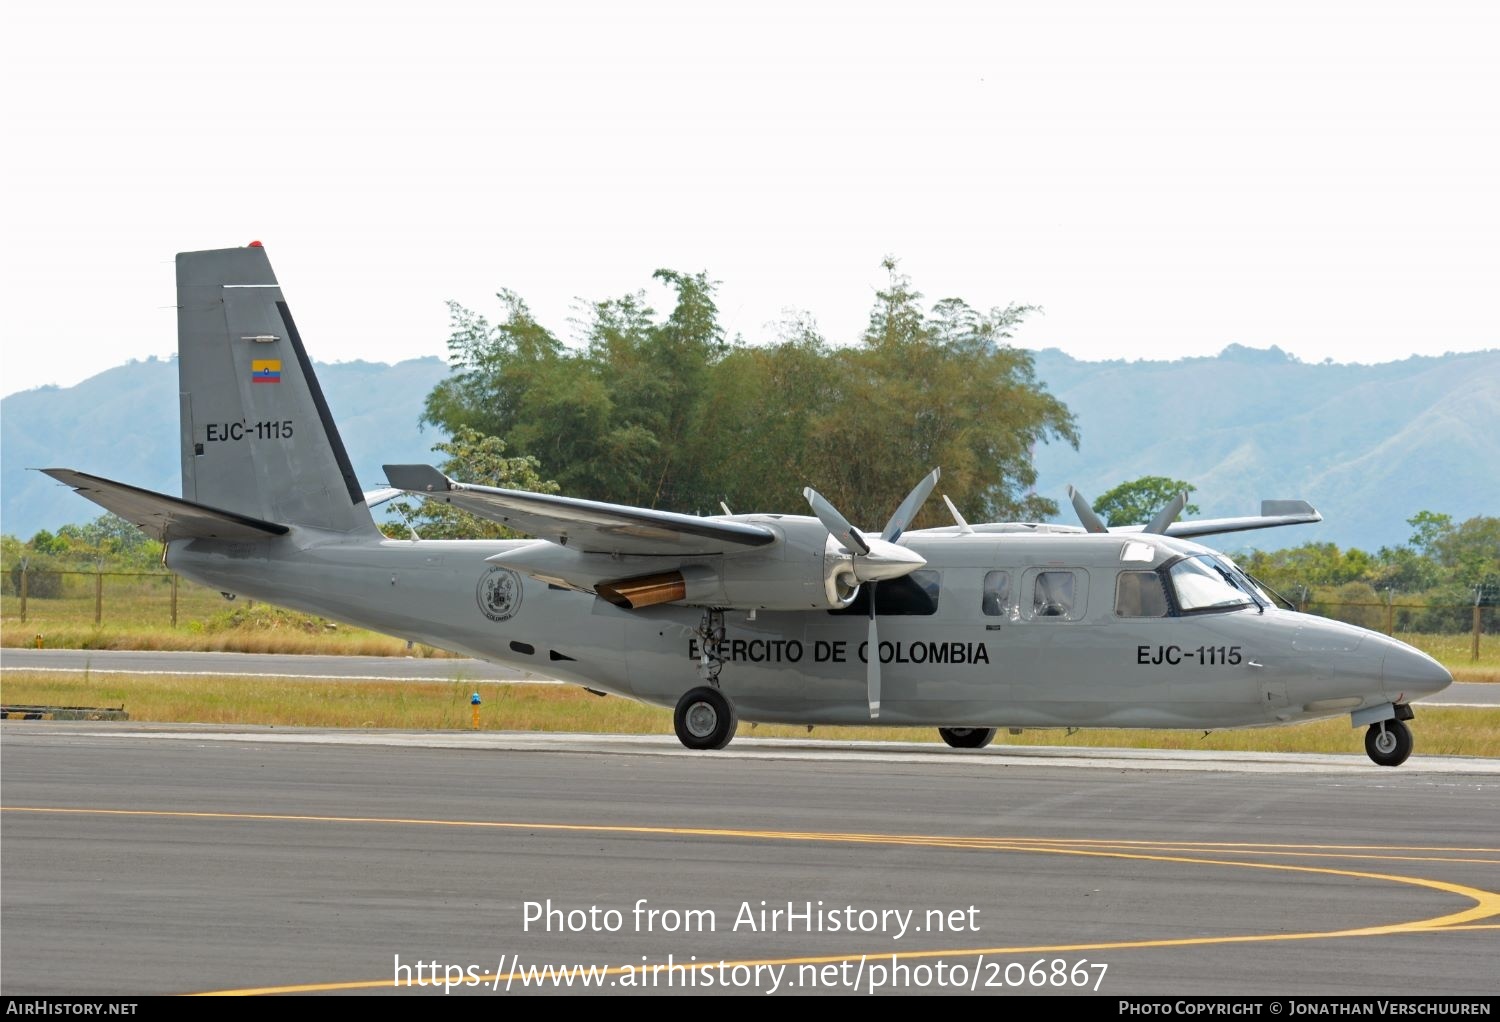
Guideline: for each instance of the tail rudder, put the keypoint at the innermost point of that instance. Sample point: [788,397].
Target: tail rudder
[257,436]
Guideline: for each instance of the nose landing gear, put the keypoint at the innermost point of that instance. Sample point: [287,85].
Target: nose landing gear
[1388,742]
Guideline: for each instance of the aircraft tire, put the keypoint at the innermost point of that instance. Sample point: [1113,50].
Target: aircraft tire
[1388,742]
[967,737]
[704,719]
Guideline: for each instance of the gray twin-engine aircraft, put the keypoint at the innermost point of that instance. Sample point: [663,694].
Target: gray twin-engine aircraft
[790,619]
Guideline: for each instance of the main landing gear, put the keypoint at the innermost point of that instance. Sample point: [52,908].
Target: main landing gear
[1388,742]
[967,737]
[704,719]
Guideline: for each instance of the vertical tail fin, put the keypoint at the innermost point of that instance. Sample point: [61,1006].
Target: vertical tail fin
[257,437]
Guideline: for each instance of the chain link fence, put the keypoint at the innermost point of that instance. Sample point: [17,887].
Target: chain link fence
[114,598]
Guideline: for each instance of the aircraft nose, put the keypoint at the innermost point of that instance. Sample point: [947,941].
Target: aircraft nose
[1410,674]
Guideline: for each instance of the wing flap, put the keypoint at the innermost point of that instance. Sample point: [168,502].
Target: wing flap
[589,526]
[163,517]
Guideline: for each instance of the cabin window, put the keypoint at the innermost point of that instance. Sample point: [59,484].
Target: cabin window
[1140,594]
[1055,594]
[914,594]
[996,593]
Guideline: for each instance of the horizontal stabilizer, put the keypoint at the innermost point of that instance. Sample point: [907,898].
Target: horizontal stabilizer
[163,517]
[590,526]
[380,496]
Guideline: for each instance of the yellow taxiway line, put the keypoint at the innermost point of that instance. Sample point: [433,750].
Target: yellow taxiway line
[1486,904]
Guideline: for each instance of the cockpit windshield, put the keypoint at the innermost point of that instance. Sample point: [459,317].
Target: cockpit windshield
[1258,590]
[1203,583]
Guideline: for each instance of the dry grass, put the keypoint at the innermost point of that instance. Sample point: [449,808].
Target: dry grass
[219,626]
[1457,651]
[556,708]
[347,642]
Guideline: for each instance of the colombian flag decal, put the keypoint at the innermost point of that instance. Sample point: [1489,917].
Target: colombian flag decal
[265,371]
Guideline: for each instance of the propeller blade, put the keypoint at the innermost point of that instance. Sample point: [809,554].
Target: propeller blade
[872,664]
[1167,515]
[1086,514]
[909,507]
[964,527]
[837,525]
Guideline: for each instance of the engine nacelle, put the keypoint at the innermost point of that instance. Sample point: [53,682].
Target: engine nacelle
[807,570]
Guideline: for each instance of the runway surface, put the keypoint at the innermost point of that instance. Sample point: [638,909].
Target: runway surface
[375,668]
[140,859]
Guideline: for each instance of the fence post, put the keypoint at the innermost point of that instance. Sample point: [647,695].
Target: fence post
[1474,649]
[98,593]
[25,572]
[1390,612]
[174,600]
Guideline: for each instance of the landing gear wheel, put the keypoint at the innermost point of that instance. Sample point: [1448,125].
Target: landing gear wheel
[967,737]
[1388,742]
[704,719]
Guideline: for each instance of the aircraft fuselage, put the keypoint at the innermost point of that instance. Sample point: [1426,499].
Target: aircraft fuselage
[968,661]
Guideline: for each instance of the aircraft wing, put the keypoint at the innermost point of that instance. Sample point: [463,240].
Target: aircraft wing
[1273,513]
[163,517]
[587,526]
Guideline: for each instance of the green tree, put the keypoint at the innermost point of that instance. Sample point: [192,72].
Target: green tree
[1471,551]
[1404,570]
[765,400]
[110,538]
[45,542]
[472,458]
[1136,502]
[934,390]
[664,412]
[1357,603]
[1446,566]
[1427,528]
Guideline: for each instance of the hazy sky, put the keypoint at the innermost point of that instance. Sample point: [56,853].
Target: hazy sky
[1164,178]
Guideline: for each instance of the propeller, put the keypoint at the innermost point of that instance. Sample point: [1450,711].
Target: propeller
[1158,525]
[964,528]
[874,559]
[1167,515]
[837,525]
[1085,512]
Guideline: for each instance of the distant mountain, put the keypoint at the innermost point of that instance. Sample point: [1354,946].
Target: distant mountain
[122,424]
[1369,446]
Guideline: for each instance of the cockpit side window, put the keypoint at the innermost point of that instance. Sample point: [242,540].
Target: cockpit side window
[996,593]
[1140,594]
